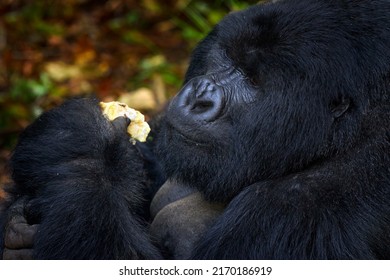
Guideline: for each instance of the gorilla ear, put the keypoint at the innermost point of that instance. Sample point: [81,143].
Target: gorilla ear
[340,107]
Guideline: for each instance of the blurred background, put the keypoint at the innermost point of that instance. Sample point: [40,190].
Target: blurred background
[133,51]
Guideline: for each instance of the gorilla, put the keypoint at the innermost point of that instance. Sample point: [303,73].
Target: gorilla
[276,147]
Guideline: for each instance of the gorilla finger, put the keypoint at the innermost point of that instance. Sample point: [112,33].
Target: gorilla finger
[17,208]
[180,224]
[121,123]
[19,235]
[169,192]
[22,254]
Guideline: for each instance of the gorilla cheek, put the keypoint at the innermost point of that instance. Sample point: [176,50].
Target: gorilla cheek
[199,140]
[192,125]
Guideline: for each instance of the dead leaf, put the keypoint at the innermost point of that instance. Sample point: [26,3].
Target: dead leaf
[141,99]
[60,71]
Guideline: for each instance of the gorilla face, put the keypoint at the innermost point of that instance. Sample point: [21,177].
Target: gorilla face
[202,137]
[270,91]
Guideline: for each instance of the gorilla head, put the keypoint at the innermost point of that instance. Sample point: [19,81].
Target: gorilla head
[275,89]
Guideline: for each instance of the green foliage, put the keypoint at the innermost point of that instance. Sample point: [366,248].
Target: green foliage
[51,50]
[31,20]
[129,19]
[201,16]
[28,90]
[22,103]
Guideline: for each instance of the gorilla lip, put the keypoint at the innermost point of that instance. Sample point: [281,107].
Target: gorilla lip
[175,132]
[192,141]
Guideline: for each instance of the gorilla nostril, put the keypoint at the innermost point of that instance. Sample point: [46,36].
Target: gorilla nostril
[207,101]
[201,106]
[200,99]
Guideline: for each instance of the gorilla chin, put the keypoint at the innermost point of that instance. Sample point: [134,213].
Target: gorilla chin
[204,177]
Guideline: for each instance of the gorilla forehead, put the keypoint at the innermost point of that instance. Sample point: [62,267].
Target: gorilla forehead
[303,37]
[294,22]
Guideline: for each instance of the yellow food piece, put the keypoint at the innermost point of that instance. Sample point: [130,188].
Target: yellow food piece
[138,128]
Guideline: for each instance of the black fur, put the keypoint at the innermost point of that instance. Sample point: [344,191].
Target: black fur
[299,150]
[87,184]
[305,162]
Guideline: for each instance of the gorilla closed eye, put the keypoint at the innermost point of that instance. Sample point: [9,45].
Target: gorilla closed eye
[341,107]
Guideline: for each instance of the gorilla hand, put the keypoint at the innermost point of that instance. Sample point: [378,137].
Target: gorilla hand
[85,178]
[19,234]
[181,216]
[22,223]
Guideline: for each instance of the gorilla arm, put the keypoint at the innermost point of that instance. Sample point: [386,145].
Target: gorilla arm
[305,216]
[180,217]
[83,177]
[180,214]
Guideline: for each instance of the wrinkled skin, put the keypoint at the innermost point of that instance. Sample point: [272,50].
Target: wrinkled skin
[19,235]
[180,217]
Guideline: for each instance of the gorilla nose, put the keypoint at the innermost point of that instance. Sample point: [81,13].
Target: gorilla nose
[200,99]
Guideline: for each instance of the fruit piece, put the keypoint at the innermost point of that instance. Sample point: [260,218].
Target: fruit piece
[138,128]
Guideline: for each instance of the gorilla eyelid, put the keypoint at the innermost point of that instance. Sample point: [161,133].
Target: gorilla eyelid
[339,109]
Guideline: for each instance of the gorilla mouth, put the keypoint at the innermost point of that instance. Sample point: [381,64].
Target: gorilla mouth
[174,134]
[183,137]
